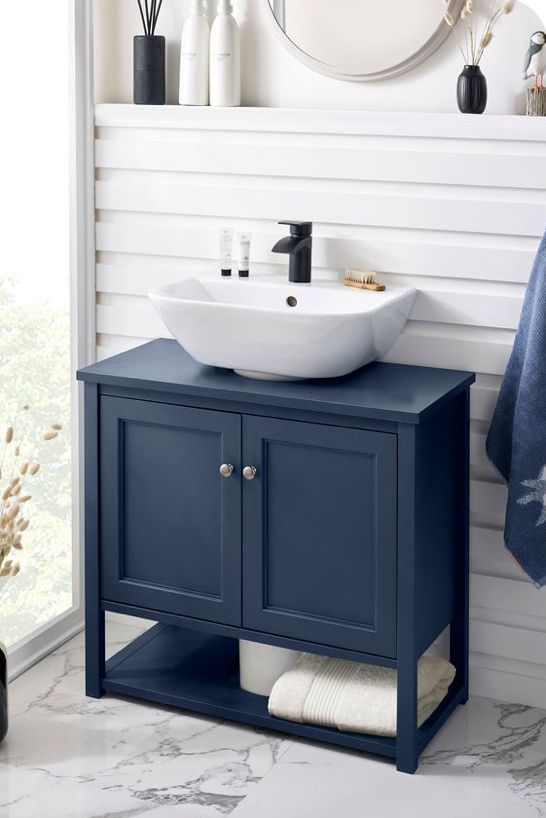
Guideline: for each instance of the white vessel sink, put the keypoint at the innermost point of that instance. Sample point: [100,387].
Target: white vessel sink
[271,329]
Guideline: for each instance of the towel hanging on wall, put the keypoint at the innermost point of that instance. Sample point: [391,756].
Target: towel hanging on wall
[516,443]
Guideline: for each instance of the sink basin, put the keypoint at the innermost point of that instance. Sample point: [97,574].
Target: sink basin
[271,329]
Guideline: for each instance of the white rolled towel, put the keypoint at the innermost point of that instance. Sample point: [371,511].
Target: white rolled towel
[353,696]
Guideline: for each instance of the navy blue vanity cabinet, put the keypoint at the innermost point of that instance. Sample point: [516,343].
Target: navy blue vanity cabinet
[325,516]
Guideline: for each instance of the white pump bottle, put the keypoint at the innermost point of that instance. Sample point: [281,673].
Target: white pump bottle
[194,57]
[225,58]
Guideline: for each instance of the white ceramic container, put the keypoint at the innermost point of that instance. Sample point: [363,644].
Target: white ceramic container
[261,665]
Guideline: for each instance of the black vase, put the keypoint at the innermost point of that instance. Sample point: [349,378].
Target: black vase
[3,692]
[472,90]
[149,70]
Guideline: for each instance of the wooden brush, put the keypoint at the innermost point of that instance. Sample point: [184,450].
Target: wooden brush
[362,281]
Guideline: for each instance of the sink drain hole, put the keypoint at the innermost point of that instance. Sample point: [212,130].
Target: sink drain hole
[291,301]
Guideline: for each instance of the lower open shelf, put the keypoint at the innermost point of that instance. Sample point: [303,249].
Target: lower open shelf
[182,667]
[198,671]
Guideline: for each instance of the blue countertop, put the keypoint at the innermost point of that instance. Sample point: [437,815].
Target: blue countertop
[383,391]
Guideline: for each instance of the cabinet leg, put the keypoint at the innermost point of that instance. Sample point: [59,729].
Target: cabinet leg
[459,625]
[408,763]
[459,653]
[94,616]
[459,645]
[407,755]
[94,655]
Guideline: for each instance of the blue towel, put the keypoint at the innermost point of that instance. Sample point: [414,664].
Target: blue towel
[516,443]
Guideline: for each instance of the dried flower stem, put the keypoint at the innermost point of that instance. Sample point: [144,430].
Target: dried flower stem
[12,522]
[472,44]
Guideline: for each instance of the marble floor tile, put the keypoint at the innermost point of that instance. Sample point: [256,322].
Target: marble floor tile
[67,756]
[488,762]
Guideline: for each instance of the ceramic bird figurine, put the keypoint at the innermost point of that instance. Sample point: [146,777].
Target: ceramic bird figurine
[535,59]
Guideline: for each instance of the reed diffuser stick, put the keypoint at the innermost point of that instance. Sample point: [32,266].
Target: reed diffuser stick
[157,13]
[142,15]
[148,28]
[149,14]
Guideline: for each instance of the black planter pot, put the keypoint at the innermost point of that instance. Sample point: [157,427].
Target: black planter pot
[149,70]
[472,90]
[3,692]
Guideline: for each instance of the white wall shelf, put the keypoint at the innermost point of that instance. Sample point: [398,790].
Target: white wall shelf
[297,120]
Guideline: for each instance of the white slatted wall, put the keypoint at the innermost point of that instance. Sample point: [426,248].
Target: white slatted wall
[452,205]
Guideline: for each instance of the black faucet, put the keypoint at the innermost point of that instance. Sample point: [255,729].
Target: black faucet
[298,245]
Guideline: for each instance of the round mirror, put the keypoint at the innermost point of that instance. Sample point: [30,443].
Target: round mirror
[362,39]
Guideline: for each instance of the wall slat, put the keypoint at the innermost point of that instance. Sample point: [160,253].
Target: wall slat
[496,683]
[520,217]
[436,305]
[439,166]
[488,501]
[455,256]
[489,557]
[491,592]
[512,643]
[450,352]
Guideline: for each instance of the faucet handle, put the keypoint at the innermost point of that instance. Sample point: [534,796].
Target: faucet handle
[300,230]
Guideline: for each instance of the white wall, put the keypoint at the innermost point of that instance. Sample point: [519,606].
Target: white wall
[452,205]
[272,77]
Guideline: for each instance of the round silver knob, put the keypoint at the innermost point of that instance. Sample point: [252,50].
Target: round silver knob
[250,472]
[226,469]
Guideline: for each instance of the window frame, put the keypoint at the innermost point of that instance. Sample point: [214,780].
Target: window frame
[29,650]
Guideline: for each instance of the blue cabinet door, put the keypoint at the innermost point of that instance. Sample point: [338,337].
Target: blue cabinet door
[319,534]
[170,524]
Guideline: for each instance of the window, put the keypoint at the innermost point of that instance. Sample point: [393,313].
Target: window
[37,327]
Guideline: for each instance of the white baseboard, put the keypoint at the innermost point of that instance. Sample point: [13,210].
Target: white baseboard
[507,686]
[23,656]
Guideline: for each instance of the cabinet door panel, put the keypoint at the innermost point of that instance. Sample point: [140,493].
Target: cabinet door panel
[170,524]
[319,534]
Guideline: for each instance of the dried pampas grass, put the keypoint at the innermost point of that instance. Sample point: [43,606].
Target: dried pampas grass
[472,44]
[12,522]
